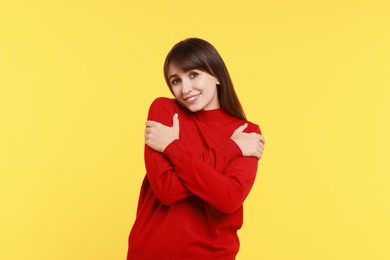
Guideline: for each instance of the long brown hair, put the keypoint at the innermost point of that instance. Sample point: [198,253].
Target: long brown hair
[195,53]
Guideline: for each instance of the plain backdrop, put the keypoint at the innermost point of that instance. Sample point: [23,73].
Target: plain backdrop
[77,78]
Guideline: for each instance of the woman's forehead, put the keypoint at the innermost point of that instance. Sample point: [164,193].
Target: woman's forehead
[176,69]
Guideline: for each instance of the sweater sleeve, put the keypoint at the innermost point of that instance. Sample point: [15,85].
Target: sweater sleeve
[162,175]
[163,179]
[224,188]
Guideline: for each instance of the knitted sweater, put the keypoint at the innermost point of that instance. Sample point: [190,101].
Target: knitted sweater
[190,204]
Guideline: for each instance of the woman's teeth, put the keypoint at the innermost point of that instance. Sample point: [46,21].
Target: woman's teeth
[192,99]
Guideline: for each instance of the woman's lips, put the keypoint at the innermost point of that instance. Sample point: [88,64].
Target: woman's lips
[192,99]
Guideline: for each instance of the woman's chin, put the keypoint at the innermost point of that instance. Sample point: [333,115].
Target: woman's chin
[190,107]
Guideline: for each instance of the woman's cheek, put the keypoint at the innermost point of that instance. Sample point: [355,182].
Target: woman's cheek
[177,91]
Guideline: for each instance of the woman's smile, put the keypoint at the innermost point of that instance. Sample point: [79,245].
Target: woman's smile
[192,99]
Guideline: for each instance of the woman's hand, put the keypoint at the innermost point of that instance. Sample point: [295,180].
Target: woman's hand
[251,144]
[159,136]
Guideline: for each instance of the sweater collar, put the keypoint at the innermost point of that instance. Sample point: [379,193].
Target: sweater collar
[213,117]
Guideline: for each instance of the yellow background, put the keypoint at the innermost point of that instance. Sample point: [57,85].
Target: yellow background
[77,78]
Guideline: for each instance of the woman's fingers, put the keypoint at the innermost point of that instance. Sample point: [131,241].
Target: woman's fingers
[240,129]
[158,136]
[147,133]
[261,147]
[262,139]
[151,123]
[251,144]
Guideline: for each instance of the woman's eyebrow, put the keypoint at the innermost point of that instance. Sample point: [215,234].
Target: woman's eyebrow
[172,76]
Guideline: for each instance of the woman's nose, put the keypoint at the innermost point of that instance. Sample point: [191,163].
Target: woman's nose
[187,86]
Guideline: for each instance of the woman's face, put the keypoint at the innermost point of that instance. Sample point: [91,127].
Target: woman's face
[194,89]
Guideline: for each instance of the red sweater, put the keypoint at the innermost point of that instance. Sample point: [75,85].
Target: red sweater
[190,205]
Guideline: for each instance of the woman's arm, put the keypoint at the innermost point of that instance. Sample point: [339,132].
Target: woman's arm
[163,179]
[166,183]
[225,186]
[226,190]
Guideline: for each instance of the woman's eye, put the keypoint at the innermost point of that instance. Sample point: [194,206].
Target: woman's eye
[175,81]
[194,74]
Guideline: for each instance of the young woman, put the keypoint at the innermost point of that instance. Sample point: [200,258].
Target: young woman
[201,157]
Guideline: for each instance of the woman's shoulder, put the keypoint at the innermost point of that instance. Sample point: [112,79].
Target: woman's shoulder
[162,102]
[252,127]
[162,109]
